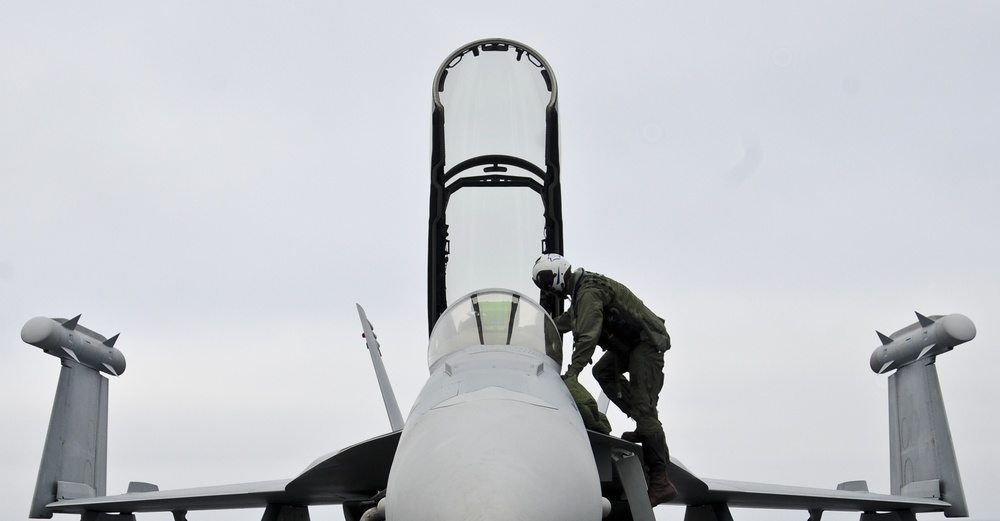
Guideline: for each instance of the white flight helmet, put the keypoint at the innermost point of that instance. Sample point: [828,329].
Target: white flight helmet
[550,272]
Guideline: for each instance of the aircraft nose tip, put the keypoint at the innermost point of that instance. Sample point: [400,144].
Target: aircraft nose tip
[37,330]
[494,459]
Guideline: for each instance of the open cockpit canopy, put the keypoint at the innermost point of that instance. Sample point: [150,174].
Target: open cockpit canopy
[495,196]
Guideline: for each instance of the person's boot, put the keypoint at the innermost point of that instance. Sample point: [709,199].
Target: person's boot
[661,489]
[654,451]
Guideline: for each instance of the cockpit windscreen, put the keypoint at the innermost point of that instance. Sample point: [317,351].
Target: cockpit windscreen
[494,317]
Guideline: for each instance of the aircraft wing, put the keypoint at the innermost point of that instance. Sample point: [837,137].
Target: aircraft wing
[361,471]
[760,495]
[356,473]
[695,491]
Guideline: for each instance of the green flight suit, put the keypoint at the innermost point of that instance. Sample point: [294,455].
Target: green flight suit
[593,418]
[634,344]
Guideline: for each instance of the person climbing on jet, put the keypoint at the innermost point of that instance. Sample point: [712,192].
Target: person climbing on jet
[605,313]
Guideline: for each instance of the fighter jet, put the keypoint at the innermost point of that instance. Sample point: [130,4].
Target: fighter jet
[494,433]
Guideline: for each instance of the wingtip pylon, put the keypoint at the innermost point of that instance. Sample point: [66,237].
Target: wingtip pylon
[924,321]
[71,323]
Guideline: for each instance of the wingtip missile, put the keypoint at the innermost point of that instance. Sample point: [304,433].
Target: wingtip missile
[927,337]
[74,342]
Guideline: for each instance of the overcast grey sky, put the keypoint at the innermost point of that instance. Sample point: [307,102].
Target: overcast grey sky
[221,182]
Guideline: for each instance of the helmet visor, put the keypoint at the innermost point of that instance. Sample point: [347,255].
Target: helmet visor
[544,280]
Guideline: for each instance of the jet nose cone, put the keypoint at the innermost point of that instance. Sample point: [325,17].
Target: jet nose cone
[37,330]
[494,459]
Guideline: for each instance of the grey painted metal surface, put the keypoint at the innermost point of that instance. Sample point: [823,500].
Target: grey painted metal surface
[74,459]
[921,450]
[494,425]
[388,397]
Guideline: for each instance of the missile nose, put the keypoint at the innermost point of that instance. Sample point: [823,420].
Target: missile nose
[37,330]
[959,327]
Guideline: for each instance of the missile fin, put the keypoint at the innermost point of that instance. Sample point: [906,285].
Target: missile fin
[924,321]
[71,323]
[71,353]
[885,367]
[111,369]
[925,350]
[885,340]
[111,342]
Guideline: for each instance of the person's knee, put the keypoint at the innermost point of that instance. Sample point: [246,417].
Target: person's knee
[646,417]
[604,365]
[648,425]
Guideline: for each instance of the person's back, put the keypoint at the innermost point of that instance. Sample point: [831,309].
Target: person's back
[624,312]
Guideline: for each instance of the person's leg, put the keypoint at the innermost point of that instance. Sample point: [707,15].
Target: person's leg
[646,374]
[608,371]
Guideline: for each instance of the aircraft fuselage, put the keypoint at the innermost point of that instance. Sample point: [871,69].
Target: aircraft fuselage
[496,428]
